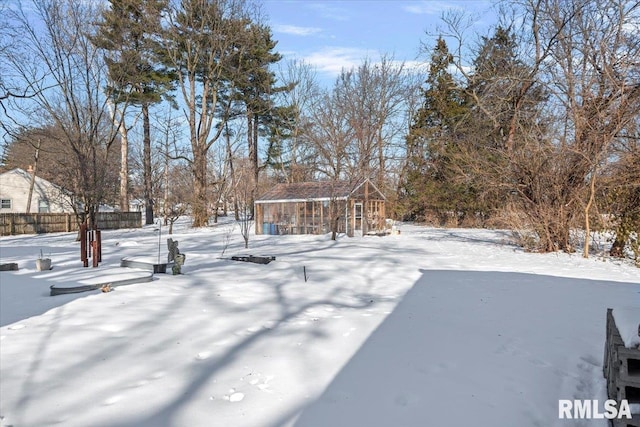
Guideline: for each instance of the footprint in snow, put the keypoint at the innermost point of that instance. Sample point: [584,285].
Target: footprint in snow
[140,383]
[111,328]
[157,375]
[16,327]
[112,400]
[262,383]
[234,396]
[203,355]
[346,334]
[269,324]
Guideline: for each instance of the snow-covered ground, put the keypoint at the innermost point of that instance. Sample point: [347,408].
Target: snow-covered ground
[431,327]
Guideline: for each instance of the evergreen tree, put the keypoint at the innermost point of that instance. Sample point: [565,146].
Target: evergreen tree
[129,32]
[254,86]
[428,185]
[503,90]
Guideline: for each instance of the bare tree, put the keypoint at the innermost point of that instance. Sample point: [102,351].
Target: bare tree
[220,170]
[243,191]
[621,195]
[118,118]
[67,75]
[330,136]
[548,100]
[597,82]
[373,99]
[294,158]
[201,41]
[177,192]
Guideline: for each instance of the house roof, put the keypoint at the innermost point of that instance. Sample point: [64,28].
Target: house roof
[310,191]
[40,183]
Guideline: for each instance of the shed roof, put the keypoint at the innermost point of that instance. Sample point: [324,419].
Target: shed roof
[318,190]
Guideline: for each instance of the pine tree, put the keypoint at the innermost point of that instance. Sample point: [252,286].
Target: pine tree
[428,185]
[128,31]
[254,87]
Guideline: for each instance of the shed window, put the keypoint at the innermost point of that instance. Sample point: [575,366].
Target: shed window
[5,204]
[43,206]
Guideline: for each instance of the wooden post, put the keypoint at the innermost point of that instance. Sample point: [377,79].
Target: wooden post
[347,218]
[259,217]
[365,209]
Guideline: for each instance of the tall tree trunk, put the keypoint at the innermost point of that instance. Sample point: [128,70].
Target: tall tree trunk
[252,138]
[148,186]
[334,217]
[617,248]
[124,167]
[381,162]
[165,197]
[587,225]
[232,174]
[200,211]
[33,176]
[123,199]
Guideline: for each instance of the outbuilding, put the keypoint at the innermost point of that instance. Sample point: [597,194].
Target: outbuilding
[310,208]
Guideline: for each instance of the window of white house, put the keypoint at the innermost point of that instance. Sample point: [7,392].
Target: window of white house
[43,206]
[5,203]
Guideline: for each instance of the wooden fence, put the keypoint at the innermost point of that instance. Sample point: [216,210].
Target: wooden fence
[22,223]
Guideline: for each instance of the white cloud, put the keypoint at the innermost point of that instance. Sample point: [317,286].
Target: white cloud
[330,11]
[417,67]
[334,60]
[331,61]
[429,7]
[296,30]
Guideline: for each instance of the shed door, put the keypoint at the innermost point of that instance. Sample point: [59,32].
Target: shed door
[357,216]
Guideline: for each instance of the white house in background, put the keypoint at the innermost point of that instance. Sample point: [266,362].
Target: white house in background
[46,198]
[136,205]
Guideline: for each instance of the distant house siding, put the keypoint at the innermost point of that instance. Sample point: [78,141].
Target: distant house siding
[46,197]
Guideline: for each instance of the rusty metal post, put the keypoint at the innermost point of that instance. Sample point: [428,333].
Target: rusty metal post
[94,259]
[98,251]
[90,243]
[83,244]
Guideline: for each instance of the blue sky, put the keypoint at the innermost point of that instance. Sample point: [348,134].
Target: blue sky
[333,34]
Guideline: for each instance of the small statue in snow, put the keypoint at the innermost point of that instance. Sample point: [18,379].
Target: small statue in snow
[178,262]
[172,246]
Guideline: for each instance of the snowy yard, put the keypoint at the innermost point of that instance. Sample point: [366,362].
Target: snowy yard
[431,327]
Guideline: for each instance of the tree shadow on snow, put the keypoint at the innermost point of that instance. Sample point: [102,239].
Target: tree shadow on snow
[474,348]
